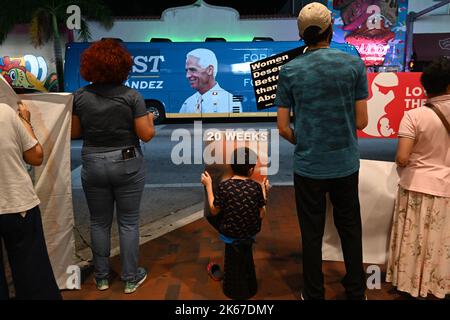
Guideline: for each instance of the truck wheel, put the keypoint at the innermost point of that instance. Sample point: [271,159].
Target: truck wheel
[157,109]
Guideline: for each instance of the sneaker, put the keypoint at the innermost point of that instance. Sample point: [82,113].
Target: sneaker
[131,286]
[102,284]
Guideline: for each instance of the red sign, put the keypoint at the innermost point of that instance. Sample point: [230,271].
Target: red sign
[390,95]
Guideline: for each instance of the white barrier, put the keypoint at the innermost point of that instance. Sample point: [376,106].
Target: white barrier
[377,191]
[51,115]
[51,118]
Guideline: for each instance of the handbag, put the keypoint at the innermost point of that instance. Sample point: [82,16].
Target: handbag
[440,115]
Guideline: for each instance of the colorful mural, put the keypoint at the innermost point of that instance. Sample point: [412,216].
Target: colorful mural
[377,28]
[29,72]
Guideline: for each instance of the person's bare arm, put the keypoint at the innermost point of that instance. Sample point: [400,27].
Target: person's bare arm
[144,127]
[404,149]
[262,212]
[361,117]
[35,155]
[284,124]
[265,189]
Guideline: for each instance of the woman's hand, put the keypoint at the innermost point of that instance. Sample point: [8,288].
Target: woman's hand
[206,179]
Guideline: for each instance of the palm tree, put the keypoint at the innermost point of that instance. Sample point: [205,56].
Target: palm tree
[48,20]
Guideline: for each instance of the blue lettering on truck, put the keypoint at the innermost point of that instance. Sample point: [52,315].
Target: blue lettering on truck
[161,74]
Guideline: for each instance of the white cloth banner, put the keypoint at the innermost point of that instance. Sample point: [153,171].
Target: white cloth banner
[51,118]
[378,183]
[51,115]
[7,94]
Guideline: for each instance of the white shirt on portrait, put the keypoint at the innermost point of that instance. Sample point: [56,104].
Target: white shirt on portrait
[215,100]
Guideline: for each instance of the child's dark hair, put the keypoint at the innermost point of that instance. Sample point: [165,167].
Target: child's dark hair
[244,160]
[436,77]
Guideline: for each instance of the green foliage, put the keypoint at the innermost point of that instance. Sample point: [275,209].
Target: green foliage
[47,19]
[40,13]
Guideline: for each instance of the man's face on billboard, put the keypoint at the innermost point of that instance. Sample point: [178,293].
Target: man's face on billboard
[199,78]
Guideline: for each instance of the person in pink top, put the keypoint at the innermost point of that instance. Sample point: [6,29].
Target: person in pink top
[419,251]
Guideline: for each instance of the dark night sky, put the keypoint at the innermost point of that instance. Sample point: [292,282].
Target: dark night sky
[245,7]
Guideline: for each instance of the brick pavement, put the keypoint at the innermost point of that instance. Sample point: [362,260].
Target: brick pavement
[177,263]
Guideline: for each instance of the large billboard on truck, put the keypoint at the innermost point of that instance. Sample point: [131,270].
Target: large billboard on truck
[193,79]
[169,82]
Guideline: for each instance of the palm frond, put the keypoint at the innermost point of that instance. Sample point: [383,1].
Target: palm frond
[84,32]
[60,9]
[5,28]
[39,13]
[96,10]
[41,28]
[13,13]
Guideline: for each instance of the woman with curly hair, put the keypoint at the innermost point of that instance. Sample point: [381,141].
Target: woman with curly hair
[419,255]
[111,118]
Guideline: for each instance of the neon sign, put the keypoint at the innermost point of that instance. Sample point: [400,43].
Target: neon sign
[372,53]
[374,27]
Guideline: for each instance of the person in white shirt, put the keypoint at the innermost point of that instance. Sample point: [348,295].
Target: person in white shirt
[201,70]
[20,219]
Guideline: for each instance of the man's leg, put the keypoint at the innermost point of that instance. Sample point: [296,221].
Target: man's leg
[347,219]
[311,207]
[27,253]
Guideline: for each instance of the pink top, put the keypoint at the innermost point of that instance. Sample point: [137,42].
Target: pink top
[428,170]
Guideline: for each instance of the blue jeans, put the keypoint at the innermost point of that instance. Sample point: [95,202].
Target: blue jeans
[107,180]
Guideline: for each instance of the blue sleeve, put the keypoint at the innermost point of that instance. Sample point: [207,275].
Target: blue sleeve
[284,96]
[361,88]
